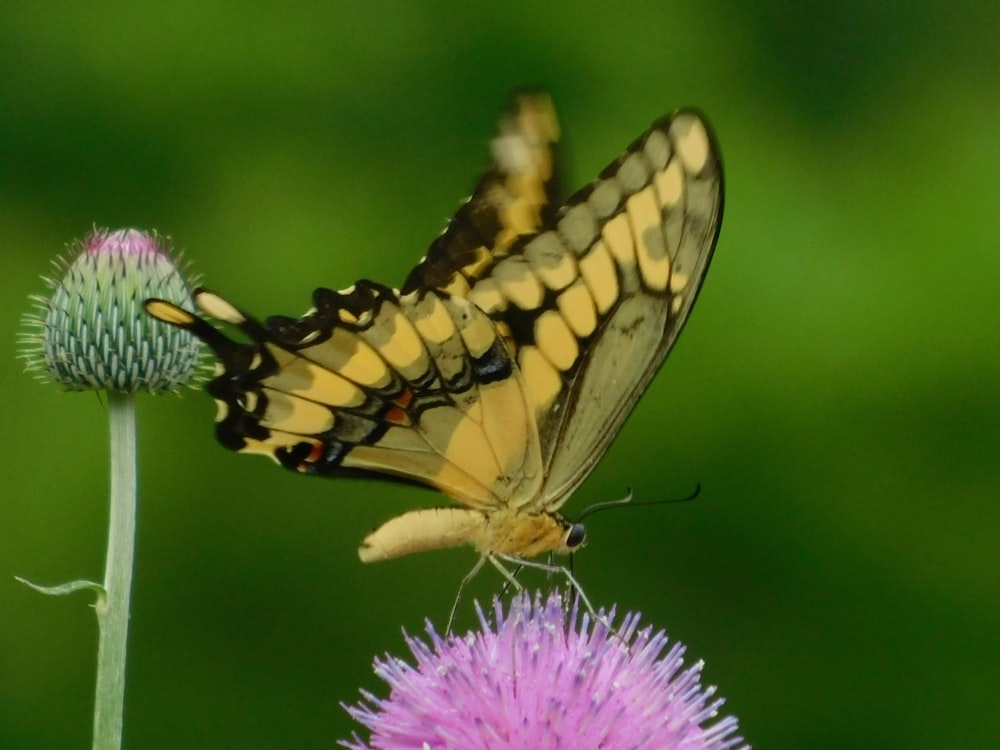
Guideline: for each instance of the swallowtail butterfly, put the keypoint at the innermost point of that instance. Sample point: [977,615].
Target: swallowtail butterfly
[506,364]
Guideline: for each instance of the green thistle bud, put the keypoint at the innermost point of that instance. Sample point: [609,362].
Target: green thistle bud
[91,333]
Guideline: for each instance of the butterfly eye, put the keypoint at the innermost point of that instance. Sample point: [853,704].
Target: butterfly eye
[575,536]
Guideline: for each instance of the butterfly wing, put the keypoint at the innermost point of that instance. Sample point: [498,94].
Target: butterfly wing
[517,195]
[373,381]
[516,348]
[591,305]
[417,387]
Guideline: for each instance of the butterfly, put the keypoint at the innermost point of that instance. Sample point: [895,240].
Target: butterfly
[502,369]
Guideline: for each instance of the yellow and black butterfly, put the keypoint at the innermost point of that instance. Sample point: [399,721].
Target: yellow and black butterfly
[506,364]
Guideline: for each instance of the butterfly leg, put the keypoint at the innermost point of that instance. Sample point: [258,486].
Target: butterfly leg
[550,568]
[507,585]
[461,587]
[511,580]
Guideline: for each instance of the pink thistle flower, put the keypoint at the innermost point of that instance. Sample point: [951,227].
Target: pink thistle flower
[544,677]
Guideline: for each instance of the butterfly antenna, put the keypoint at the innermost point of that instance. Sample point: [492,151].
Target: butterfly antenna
[627,501]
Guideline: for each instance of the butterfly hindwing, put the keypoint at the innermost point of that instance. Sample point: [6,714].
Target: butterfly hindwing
[417,386]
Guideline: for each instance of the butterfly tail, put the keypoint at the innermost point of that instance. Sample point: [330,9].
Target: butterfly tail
[227,350]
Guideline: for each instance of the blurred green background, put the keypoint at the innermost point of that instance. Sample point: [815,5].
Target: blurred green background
[836,392]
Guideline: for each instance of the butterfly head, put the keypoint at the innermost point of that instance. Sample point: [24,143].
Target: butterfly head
[531,534]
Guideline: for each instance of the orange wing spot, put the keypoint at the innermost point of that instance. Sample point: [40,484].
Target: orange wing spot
[395,415]
[314,455]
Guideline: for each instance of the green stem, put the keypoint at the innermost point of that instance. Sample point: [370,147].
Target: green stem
[113,609]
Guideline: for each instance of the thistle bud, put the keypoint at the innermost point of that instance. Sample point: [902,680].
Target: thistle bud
[90,332]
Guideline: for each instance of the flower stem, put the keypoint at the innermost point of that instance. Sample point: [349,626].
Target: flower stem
[113,608]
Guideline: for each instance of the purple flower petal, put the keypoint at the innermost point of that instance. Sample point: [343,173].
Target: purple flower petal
[544,677]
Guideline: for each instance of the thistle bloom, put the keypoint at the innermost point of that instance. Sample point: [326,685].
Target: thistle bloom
[92,333]
[544,677]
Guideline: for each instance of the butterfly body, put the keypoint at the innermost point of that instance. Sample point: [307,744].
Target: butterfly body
[507,363]
[503,532]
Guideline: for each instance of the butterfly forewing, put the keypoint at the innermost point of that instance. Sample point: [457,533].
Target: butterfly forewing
[591,305]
